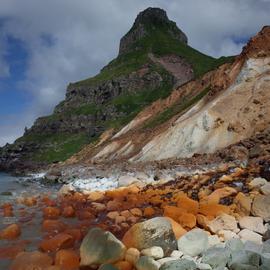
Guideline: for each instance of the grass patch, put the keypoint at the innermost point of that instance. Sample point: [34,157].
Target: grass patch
[177,108]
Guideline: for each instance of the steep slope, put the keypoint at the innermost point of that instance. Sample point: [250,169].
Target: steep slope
[153,58]
[223,107]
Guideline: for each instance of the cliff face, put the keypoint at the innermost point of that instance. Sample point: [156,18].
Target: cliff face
[153,58]
[221,108]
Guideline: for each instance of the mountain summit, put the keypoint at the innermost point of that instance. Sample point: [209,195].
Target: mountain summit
[146,22]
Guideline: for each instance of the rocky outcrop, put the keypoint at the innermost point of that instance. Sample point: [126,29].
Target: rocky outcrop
[142,26]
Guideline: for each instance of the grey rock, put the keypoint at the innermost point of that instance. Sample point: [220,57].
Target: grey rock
[182,264]
[254,224]
[194,242]
[100,247]
[265,189]
[216,257]
[146,263]
[234,245]
[265,257]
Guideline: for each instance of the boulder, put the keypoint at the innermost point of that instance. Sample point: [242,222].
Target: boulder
[261,207]
[182,264]
[153,232]
[194,242]
[146,263]
[223,222]
[100,247]
[254,224]
[247,235]
[154,252]
[31,261]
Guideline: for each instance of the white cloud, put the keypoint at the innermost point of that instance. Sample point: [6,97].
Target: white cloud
[70,40]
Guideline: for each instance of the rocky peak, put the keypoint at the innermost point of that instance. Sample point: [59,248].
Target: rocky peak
[146,21]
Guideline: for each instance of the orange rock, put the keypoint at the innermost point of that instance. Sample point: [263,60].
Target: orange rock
[67,259]
[7,210]
[95,196]
[10,252]
[120,219]
[68,211]
[123,265]
[213,210]
[13,231]
[85,214]
[173,212]
[60,241]
[79,197]
[113,214]
[30,201]
[126,213]
[203,221]
[148,212]
[48,201]
[136,212]
[177,228]
[114,205]
[187,220]
[50,225]
[184,202]
[51,212]
[219,194]
[31,260]
[75,233]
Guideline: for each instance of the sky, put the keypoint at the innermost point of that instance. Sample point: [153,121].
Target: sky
[45,45]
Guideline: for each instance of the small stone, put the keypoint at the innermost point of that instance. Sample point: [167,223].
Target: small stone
[96,196]
[127,180]
[265,189]
[154,252]
[107,266]
[113,214]
[148,212]
[99,206]
[257,182]
[66,189]
[11,232]
[68,212]
[223,222]
[124,265]
[194,242]
[146,263]
[227,235]
[59,241]
[136,212]
[126,213]
[51,212]
[234,245]
[177,254]
[254,224]
[167,259]
[247,235]
[204,266]
[120,219]
[132,255]
[213,240]
[100,247]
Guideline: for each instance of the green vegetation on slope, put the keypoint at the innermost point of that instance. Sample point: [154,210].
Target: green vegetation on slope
[177,108]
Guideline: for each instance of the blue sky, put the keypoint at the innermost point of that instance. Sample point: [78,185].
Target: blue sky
[44,45]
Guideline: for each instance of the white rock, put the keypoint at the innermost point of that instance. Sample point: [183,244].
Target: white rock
[254,224]
[187,257]
[257,182]
[154,252]
[167,259]
[265,189]
[247,235]
[223,222]
[177,254]
[227,235]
